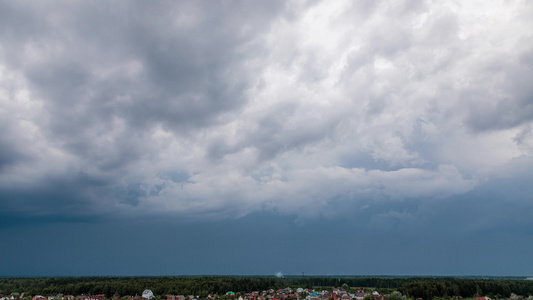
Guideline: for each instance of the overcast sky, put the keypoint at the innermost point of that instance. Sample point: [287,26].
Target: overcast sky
[256,137]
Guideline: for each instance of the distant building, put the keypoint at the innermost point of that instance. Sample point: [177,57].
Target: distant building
[147,294]
[346,297]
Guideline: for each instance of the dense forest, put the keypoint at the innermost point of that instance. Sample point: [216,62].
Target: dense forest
[425,288]
[466,288]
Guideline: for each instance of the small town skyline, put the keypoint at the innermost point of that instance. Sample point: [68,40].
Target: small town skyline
[319,293]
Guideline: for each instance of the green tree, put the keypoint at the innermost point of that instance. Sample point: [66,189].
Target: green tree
[345,286]
[396,296]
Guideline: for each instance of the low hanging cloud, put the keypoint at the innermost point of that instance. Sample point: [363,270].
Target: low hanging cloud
[217,110]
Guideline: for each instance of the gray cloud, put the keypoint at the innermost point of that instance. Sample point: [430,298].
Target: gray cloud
[514,107]
[221,109]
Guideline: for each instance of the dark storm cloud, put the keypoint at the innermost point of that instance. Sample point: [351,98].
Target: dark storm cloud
[54,195]
[515,107]
[183,75]
[9,154]
[226,108]
[119,70]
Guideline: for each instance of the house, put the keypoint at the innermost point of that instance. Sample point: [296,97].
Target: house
[91,297]
[360,295]
[346,297]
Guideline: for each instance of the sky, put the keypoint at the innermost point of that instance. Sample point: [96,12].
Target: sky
[258,137]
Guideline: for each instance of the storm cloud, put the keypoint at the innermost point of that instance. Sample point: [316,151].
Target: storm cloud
[215,110]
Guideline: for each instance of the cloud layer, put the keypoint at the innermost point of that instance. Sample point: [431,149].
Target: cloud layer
[219,109]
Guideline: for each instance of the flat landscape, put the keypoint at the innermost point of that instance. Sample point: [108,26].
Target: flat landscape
[265,287]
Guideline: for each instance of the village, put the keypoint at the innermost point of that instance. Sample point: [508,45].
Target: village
[271,294]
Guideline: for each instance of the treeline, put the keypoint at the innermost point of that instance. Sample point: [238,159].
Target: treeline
[425,288]
[431,289]
[382,283]
[202,286]
[122,286]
